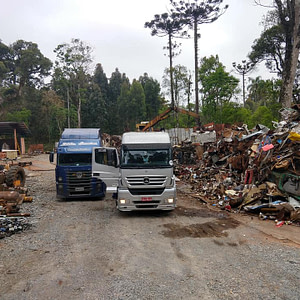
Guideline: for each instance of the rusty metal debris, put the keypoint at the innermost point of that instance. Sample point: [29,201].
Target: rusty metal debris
[12,194]
[10,202]
[111,140]
[11,219]
[12,225]
[251,171]
[36,149]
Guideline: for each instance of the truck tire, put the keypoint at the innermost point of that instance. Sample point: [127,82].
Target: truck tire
[15,173]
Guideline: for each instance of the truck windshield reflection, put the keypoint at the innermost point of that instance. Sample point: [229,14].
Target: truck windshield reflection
[78,159]
[145,158]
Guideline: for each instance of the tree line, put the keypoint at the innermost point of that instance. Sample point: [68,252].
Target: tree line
[75,97]
[282,26]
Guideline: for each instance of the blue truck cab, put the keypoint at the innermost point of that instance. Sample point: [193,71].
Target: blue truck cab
[73,172]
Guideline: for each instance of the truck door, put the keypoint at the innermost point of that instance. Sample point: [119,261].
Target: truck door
[105,166]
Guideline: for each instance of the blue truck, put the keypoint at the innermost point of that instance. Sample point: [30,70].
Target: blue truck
[73,172]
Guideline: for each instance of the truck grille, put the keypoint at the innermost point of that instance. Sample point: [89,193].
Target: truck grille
[134,181]
[138,192]
[79,182]
[151,204]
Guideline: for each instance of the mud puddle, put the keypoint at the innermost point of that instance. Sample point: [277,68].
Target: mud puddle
[203,212]
[215,228]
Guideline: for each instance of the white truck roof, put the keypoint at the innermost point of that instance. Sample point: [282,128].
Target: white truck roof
[145,138]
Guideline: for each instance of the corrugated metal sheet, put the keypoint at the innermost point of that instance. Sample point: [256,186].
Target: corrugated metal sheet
[178,135]
[205,137]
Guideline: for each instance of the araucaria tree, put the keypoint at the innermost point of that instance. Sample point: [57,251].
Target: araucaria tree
[288,12]
[169,25]
[269,47]
[289,15]
[196,13]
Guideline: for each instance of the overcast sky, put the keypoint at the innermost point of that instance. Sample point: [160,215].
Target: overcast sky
[115,30]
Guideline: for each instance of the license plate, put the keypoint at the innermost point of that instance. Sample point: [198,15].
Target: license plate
[146,198]
[79,189]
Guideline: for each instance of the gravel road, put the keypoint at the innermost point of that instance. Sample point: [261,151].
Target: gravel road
[86,249]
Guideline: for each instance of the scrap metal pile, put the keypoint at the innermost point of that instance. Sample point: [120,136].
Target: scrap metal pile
[111,141]
[255,171]
[12,225]
[12,195]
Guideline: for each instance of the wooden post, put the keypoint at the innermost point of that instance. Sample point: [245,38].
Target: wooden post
[22,145]
[16,141]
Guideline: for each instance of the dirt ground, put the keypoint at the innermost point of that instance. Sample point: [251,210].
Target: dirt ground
[86,249]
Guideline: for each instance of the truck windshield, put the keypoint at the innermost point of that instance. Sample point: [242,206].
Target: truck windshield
[78,159]
[152,158]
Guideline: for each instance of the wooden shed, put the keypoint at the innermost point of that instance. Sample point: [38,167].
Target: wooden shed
[12,136]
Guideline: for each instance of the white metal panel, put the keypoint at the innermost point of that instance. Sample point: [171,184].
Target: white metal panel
[178,135]
[205,137]
[145,138]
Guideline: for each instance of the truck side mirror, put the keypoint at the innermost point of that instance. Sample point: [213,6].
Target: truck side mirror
[51,157]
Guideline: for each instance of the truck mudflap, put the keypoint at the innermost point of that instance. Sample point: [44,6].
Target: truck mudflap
[128,202]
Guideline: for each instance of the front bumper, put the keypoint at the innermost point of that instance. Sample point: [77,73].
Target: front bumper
[96,189]
[146,201]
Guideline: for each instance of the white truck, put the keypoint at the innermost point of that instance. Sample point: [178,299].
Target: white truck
[142,177]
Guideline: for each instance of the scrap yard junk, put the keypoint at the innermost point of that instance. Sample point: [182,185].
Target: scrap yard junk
[251,171]
[12,195]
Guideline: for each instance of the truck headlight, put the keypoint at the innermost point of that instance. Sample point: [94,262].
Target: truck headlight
[170,200]
[60,179]
[122,201]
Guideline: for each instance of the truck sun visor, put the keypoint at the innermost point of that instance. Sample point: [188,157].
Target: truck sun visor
[145,146]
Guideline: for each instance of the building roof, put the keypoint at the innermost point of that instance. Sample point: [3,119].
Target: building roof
[7,128]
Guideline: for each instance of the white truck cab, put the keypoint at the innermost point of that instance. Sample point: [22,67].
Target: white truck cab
[143,178]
